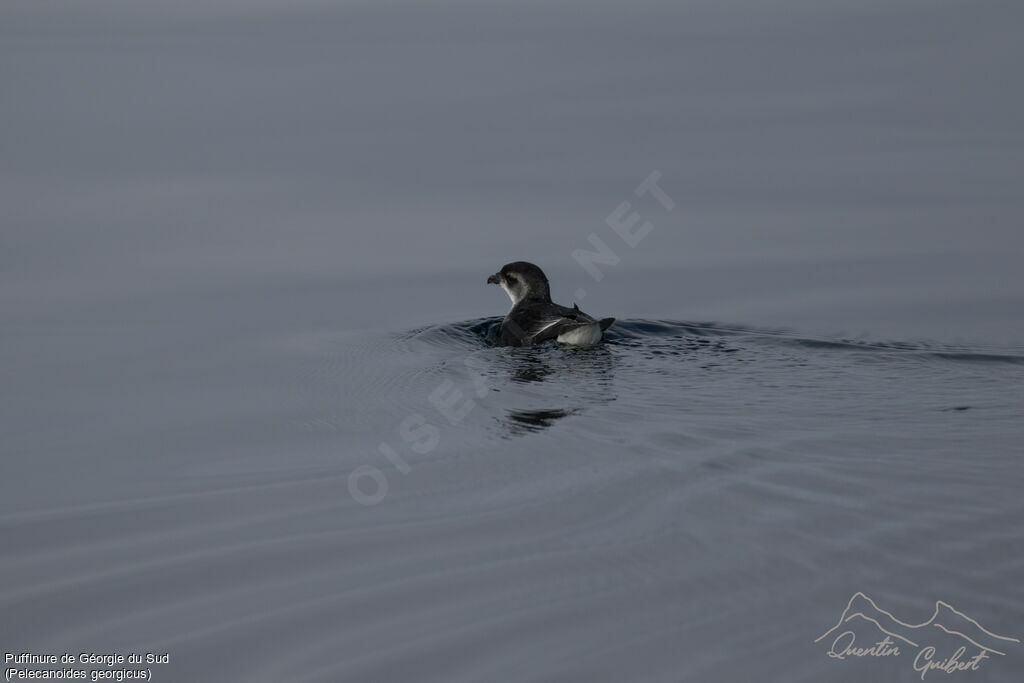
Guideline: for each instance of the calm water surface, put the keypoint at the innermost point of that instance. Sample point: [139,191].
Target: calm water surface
[251,414]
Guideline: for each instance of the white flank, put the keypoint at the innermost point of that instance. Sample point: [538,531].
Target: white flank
[584,335]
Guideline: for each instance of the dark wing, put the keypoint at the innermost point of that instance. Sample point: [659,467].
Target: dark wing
[553,320]
[574,313]
[535,324]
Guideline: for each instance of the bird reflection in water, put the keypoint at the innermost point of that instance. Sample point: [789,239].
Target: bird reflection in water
[523,421]
[573,379]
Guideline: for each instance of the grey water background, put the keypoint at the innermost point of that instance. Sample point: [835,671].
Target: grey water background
[243,244]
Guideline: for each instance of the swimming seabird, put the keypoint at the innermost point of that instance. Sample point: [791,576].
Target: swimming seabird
[534,318]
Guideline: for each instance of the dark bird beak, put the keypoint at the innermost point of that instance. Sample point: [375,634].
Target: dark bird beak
[493,280]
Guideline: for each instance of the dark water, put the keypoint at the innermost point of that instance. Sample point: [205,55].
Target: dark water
[686,500]
[250,411]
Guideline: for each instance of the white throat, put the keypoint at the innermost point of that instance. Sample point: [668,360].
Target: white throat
[511,295]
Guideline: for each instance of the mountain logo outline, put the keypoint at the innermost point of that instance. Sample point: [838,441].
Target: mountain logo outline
[944,617]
